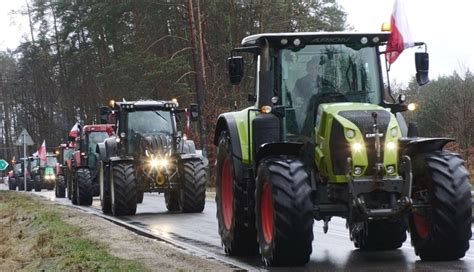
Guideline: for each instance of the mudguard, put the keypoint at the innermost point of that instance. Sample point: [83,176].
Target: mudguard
[411,146]
[226,122]
[278,148]
[100,149]
[187,147]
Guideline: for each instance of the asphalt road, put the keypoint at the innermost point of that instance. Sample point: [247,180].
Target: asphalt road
[331,251]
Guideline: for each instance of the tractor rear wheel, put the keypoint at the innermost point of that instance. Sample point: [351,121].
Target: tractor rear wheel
[104,183]
[284,212]
[37,182]
[193,193]
[83,187]
[123,189]
[69,185]
[29,184]
[441,232]
[60,189]
[379,235]
[172,201]
[236,219]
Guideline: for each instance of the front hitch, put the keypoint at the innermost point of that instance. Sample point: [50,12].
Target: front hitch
[394,186]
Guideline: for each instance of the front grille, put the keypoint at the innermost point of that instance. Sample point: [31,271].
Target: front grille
[364,121]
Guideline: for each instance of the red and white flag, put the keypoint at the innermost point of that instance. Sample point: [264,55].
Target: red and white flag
[74,132]
[400,36]
[42,151]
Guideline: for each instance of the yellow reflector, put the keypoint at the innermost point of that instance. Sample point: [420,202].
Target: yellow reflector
[265,109]
[386,27]
[412,106]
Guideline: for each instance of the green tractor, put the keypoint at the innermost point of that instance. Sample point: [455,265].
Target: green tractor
[149,154]
[64,152]
[33,169]
[318,145]
[47,176]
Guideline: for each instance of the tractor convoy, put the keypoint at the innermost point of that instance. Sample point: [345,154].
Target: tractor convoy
[325,137]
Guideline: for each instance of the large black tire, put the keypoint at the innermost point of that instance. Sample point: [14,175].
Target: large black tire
[172,201]
[123,189]
[12,184]
[37,182]
[441,232]
[379,235]
[194,178]
[235,218]
[104,183]
[74,188]
[69,188]
[83,187]
[60,189]
[140,195]
[29,184]
[21,184]
[284,212]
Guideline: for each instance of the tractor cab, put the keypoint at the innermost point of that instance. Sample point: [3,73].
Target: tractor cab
[90,136]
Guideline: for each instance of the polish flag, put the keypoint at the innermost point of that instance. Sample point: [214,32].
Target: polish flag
[400,36]
[74,131]
[42,151]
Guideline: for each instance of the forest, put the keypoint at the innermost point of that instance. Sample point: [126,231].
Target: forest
[82,53]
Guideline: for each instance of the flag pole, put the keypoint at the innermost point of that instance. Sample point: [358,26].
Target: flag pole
[25,159]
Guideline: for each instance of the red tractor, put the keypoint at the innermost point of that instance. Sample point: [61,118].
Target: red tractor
[85,183]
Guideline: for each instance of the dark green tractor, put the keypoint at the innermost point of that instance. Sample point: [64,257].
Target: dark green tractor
[47,170]
[149,154]
[332,143]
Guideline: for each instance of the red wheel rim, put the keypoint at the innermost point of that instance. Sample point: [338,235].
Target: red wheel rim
[226,194]
[422,225]
[266,213]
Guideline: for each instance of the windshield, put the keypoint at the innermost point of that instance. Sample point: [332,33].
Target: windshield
[51,161]
[34,163]
[142,122]
[327,73]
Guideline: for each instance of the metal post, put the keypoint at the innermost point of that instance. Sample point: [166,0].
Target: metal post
[24,161]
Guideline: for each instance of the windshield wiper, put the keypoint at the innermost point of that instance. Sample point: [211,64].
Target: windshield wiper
[161,116]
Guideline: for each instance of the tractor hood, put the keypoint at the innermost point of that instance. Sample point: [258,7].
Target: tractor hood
[346,130]
[155,144]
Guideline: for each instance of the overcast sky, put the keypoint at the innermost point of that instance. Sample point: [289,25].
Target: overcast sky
[443,25]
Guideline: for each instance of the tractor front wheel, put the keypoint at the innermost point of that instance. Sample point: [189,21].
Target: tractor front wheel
[37,182]
[235,217]
[60,189]
[442,231]
[12,184]
[83,188]
[194,180]
[104,183]
[172,201]
[123,189]
[284,212]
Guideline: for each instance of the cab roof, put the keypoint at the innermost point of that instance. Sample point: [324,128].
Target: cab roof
[142,105]
[340,37]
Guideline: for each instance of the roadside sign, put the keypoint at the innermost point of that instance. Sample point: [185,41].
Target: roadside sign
[3,165]
[24,135]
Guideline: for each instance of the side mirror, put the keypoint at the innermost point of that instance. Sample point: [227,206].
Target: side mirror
[194,110]
[235,65]
[422,63]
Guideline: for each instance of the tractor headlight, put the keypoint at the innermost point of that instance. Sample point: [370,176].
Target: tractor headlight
[390,169]
[391,146]
[394,132]
[357,147]
[350,133]
[159,163]
[357,170]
